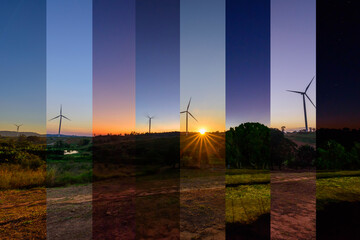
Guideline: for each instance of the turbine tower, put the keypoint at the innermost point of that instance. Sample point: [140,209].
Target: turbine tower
[60,116]
[187,116]
[148,116]
[305,95]
[17,128]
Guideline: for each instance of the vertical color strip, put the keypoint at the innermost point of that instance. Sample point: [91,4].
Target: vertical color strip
[293,56]
[202,121]
[113,119]
[247,119]
[157,103]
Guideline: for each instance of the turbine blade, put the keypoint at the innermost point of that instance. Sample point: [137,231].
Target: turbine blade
[309,84]
[65,117]
[310,100]
[193,117]
[183,112]
[187,109]
[295,91]
[54,118]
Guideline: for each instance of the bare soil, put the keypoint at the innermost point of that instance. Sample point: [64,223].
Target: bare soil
[23,214]
[118,208]
[293,205]
[69,211]
[202,211]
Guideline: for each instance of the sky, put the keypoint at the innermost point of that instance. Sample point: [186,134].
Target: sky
[113,67]
[202,63]
[247,62]
[293,62]
[338,65]
[112,63]
[69,66]
[23,65]
[158,65]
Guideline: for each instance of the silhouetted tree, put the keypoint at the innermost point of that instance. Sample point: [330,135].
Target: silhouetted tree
[248,146]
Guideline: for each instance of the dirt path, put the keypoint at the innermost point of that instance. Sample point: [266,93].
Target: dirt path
[23,214]
[69,212]
[117,209]
[293,205]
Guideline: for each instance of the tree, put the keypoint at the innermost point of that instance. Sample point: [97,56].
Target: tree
[282,149]
[305,156]
[283,129]
[248,146]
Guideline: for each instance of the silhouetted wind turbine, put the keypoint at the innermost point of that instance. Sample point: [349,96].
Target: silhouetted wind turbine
[17,127]
[187,113]
[303,95]
[61,116]
[148,116]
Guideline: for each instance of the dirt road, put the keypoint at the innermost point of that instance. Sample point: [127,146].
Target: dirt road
[293,205]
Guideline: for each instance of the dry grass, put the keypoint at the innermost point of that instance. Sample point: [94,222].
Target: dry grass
[16,177]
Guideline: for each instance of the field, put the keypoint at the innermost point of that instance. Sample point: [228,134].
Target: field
[302,138]
[142,184]
[29,164]
[68,169]
[338,204]
[247,204]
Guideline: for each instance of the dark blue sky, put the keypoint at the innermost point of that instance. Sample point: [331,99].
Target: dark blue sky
[337,63]
[158,64]
[23,65]
[247,62]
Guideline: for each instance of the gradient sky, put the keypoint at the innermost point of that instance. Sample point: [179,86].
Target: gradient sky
[157,64]
[247,62]
[113,66]
[338,65]
[23,65]
[69,65]
[293,58]
[202,63]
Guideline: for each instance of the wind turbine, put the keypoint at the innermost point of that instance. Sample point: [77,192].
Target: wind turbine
[17,127]
[60,116]
[148,116]
[187,113]
[305,95]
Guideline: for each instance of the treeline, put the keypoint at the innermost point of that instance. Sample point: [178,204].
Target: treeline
[338,149]
[146,149]
[254,145]
[29,152]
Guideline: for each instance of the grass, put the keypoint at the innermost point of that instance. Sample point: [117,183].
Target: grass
[16,177]
[245,203]
[309,138]
[247,195]
[338,189]
[246,176]
[334,174]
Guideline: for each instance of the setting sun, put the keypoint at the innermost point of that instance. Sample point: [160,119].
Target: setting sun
[202,131]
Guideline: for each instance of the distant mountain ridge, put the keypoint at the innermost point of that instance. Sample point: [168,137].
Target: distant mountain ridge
[15,134]
[27,134]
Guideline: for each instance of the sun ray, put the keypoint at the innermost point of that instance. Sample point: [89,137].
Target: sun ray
[189,144]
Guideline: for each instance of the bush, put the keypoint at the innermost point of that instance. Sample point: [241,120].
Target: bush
[31,161]
[305,156]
